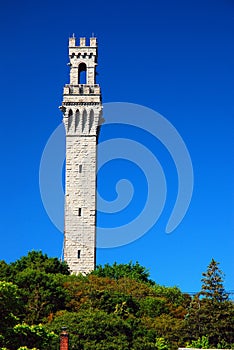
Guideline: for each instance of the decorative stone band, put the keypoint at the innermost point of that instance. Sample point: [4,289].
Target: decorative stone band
[81,103]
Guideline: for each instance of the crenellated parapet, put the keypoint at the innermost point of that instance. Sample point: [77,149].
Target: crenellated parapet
[82,58]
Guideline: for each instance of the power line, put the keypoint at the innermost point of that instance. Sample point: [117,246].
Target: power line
[229,292]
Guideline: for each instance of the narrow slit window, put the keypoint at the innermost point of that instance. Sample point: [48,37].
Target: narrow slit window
[79,211]
[78,254]
[80,168]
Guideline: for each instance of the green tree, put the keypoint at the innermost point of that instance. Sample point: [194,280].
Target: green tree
[151,311]
[10,309]
[10,304]
[212,283]
[93,292]
[172,294]
[97,330]
[210,313]
[39,261]
[34,336]
[116,307]
[40,282]
[42,293]
[153,306]
[170,328]
[5,271]
[130,270]
[93,330]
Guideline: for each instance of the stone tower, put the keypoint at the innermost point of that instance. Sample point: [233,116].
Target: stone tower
[82,116]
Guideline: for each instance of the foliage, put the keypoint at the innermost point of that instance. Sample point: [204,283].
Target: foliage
[162,344]
[5,270]
[21,348]
[130,270]
[200,343]
[41,292]
[26,348]
[35,336]
[172,294]
[115,307]
[24,336]
[40,284]
[93,330]
[224,345]
[39,261]
[153,306]
[10,309]
[94,293]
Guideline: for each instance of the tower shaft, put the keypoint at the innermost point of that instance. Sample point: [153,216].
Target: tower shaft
[82,116]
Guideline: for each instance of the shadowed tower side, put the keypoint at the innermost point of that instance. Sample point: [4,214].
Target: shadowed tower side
[82,115]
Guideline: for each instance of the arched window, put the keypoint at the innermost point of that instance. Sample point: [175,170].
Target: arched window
[70,119]
[91,119]
[77,120]
[84,120]
[82,73]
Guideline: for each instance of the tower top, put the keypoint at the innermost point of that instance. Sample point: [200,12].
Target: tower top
[83,58]
[82,43]
[82,89]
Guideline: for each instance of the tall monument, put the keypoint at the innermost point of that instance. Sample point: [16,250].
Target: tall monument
[82,116]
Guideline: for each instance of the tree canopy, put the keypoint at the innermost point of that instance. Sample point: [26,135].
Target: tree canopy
[117,271]
[116,307]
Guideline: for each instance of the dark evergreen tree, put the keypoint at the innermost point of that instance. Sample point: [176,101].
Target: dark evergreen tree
[212,283]
[210,313]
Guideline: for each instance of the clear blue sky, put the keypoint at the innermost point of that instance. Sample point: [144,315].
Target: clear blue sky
[175,57]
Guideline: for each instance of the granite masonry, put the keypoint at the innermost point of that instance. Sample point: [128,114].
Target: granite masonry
[82,117]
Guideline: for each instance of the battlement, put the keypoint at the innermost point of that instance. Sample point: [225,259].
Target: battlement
[83,59]
[81,89]
[92,42]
